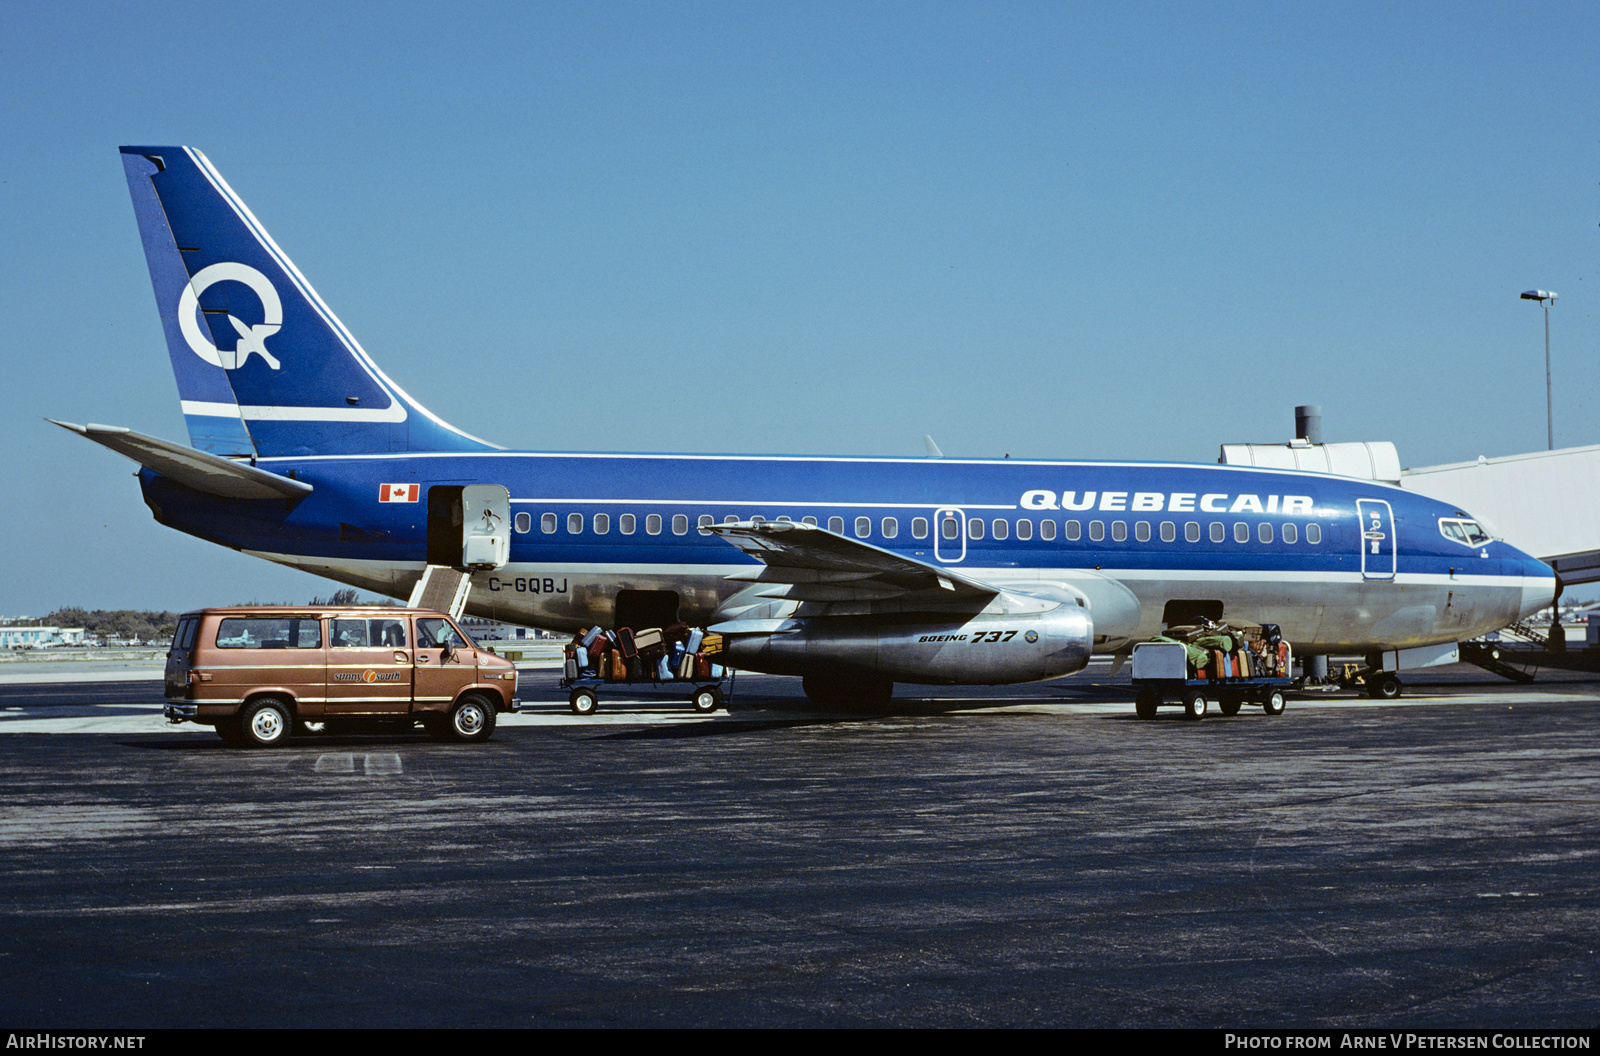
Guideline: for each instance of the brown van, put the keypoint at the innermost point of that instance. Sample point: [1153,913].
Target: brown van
[259,673]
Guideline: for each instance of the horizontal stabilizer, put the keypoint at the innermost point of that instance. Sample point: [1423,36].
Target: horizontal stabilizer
[193,469]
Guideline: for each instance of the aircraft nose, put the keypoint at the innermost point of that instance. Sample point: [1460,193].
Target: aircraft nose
[1538,586]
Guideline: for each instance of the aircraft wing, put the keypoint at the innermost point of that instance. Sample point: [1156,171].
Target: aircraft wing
[203,472]
[807,563]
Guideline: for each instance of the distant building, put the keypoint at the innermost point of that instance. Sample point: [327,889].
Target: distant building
[40,637]
[497,631]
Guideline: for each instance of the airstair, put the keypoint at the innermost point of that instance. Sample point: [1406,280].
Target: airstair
[1515,655]
[442,589]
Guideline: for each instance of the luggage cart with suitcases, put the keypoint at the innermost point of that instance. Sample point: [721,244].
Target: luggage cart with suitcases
[666,659]
[1195,674]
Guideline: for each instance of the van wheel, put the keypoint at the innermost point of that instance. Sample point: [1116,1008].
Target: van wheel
[266,722]
[231,732]
[472,719]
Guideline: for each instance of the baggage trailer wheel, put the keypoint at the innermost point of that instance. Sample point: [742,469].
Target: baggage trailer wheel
[1272,702]
[1146,703]
[1194,705]
[706,699]
[583,701]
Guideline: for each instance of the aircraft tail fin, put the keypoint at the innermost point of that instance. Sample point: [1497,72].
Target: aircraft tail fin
[263,366]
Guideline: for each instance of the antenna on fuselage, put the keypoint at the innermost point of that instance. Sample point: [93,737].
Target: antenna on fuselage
[933,448]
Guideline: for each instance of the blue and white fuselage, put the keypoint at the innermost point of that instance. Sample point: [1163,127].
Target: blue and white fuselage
[305,453]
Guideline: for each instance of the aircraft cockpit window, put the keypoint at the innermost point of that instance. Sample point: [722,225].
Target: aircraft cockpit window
[1465,532]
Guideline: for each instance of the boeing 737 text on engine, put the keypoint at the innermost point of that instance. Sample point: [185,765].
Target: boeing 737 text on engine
[852,572]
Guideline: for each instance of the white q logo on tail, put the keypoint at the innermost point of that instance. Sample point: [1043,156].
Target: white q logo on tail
[251,338]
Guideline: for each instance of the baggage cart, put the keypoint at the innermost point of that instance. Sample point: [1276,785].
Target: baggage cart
[706,695]
[1162,676]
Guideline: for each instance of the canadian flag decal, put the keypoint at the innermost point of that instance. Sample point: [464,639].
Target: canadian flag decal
[397,493]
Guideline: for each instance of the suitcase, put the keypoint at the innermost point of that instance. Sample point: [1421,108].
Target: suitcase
[711,645]
[702,666]
[619,666]
[625,642]
[686,666]
[693,643]
[663,672]
[587,641]
[649,638]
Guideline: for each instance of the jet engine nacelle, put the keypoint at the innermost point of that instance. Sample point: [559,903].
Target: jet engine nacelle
[987,649]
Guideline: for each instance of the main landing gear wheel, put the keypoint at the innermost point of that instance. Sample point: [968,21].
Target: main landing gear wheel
[266,723]
[583,701]
[1194,705]
[707,699]
[1272,704]
[1383,686]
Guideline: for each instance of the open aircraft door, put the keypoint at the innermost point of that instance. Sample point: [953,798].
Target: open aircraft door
[486,526]
[1377,538]
[949,535]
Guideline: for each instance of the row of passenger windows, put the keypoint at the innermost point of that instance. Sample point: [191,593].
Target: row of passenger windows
[950,528]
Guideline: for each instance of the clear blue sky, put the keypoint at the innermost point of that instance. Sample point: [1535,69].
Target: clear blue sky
[1050,230]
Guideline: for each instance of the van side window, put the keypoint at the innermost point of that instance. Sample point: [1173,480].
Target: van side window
[269,632]
[382,633]
[435,633]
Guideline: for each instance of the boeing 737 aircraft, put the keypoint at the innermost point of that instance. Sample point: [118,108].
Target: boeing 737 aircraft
[854,573]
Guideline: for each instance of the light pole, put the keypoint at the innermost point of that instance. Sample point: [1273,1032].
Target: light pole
[1546,299]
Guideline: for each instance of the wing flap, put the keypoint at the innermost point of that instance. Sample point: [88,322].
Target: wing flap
[823,565]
